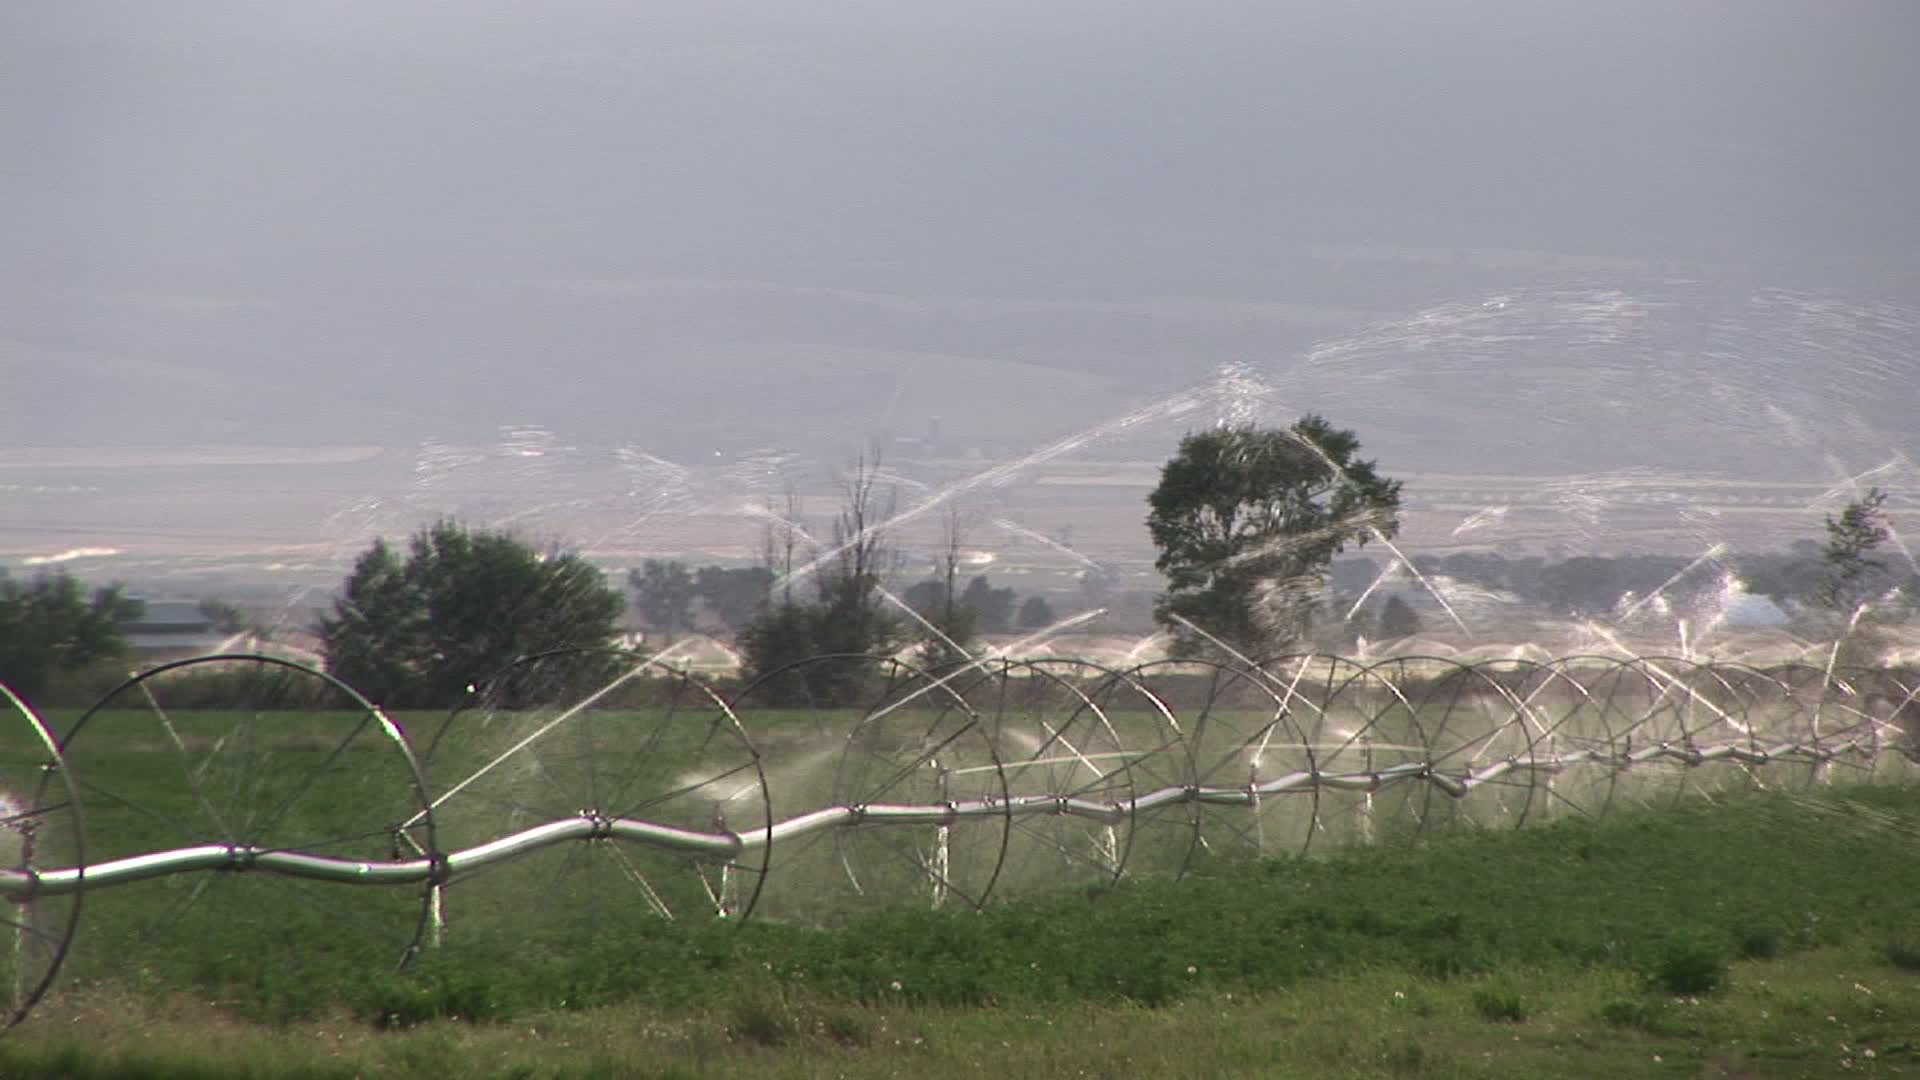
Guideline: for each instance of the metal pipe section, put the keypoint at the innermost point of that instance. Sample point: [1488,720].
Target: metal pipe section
[20,885]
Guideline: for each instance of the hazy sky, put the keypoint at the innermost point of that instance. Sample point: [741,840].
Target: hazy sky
[341,208]
[994,148]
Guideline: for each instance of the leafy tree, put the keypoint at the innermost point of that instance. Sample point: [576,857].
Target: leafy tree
[664,592]
[1788,579]
[461,606]
[225,617]
[1859,596]
[782,634]
[1487,569]
[732,596]
[1853,576]
[1036,613]
[1522,576]
[993,607]
[980,607]
[928,597]
[1247,520]
[934,601]
[51,627]
[1585,585]
[1397,620]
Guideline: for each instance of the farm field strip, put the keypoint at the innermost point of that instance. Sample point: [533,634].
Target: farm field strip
[241,813]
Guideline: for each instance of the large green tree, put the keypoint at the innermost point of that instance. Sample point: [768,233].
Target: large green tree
[461,605]
[51,626]
[1247,519]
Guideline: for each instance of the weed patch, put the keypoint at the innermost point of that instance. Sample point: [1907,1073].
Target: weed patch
[1903,953]
[1652,1016]
[1689,966]
[1499,1004]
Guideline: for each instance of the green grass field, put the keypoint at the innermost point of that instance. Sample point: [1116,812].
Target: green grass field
[866,953]
[1770,935]
[1825,1013]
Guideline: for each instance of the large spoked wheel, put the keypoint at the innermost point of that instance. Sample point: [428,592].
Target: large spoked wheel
[1480,737]
[1241,730]
[1719,702]
[1370,752]
[653,783]
[233,757]
[1352,734]
[41,852]
[1162,827]
[897,795]
[1575,755]
[1073,768]
[1810,726]
[1888,736]
[1646,715]
[1853,730]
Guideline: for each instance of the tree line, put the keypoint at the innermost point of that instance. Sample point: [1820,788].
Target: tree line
[416,628]
[1248,523]
[673,598]
[1808,579]
[53,628]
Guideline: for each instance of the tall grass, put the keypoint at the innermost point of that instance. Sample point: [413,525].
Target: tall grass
[1769,934]
[1671,898]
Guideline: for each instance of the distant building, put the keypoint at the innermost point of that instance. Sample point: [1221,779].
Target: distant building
[172,630]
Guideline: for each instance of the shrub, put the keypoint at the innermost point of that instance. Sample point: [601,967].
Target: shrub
[761,1015]
[1631,1013]
[1760,943]
[1499,1005]
[402,1000]
[846,1027]
[1903,953]
[1689,966]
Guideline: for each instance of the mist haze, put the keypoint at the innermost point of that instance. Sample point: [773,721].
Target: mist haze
[287,274]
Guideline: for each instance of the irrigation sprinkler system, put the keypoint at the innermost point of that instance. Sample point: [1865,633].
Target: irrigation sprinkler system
[226,792]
